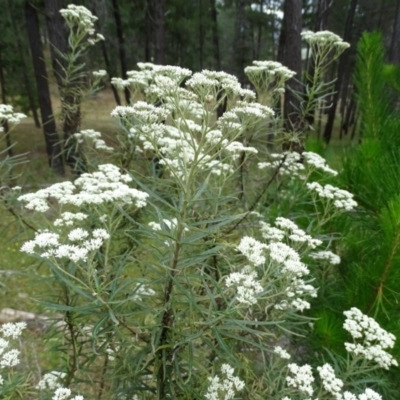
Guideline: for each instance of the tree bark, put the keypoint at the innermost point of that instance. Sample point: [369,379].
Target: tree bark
[341,70]
[291,53]
[215,35]
[239,42]
[121,45]
[4,100]
[395,45]
[201,34]
[321,22]
[70,105]
[159,19]
[147,46]
[51,138]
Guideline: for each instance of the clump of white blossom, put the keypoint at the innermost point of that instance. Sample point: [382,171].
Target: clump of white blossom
[107,184]
[81,243]
[50,381]
[65,394]
[370,340]
[9,357]
[340,198]
[226,387]
[79,18]
[7,114]
[325,38]
[326,255]
[94,137]
[301,378]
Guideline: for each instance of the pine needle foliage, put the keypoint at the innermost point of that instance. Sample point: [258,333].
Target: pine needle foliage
[370,271]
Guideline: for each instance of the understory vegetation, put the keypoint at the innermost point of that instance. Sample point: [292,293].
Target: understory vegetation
[205,252]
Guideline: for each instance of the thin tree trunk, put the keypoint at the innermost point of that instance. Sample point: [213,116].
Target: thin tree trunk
[25,77]
[70,105]
[215,35]
[4,100]
[341,70]
[51,138]
[147,48]
[159,19]
[98,8]
[239,42]
[321,22]
[395,45]
[201,34]
[259,32]
[121,45]
[291,44]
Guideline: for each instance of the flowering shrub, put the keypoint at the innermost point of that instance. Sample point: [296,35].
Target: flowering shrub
[175,275]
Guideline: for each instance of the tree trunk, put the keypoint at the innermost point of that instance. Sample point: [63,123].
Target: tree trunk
[25,77]
[121,45]
[99,9]
[147,47]
[259,32]
[159,20]
[201,34]
[53,147]
[4,100]
[321,22]
[291,52]
[70,106]
[239,42]
[341,70]
[395,45]
[215,35]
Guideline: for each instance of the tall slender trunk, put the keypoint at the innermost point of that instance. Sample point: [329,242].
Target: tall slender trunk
[321,22]
[99,9]
[201,34]
[51,138]
[341,70]
[239,42]
[25,77]
[70,104]
[147,47]
[159,19]
[215,35]
[395,45]
[291,43]
[4,101]
[121,45]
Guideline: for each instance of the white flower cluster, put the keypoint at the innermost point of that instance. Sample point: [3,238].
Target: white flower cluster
[94,137]
[371,340]
[9,358]
[100,73]
[330,383]
[107,184]
[83,19]
[341,199]
[142,291]
[207,84]
[47,244]
[282,353]
[246,285]
[287,261]
[67,218]
[328,256]
[7,114]
[269,76]
[325,38]
[303,381]
[65,394]
[302,378]
[317,162]
[225,388]
[141,113]
[287,229]
[50,381]
[289,163]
